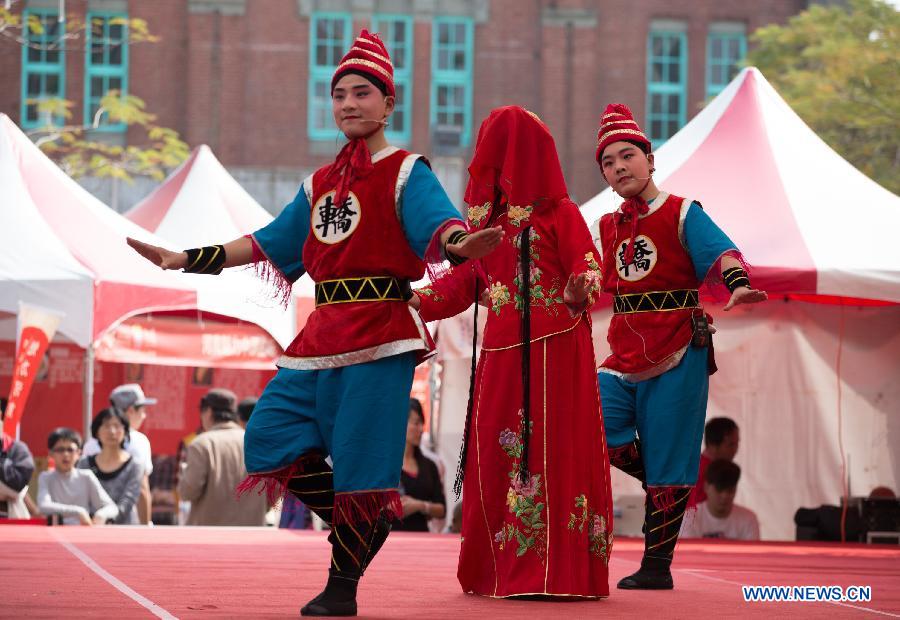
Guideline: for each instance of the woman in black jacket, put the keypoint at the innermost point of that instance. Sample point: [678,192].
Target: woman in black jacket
[421,489]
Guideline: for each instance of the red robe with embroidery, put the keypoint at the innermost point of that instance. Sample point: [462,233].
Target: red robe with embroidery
[552,535]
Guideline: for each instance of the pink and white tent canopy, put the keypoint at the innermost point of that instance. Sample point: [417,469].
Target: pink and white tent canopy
[805,218]
[199,191]
[63,249]
[200,203]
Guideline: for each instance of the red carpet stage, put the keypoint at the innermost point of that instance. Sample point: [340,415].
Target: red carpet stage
[267,573]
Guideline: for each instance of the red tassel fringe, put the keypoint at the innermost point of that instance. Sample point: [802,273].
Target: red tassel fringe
[273,484]
[668,498]
[269,273]
[365,506]
[434,254]
[623,455]
[713,280]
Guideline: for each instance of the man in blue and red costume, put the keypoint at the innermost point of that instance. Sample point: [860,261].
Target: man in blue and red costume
[363,228]
[657,249]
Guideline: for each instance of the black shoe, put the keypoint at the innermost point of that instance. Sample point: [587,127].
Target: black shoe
[647,580]
[337,599]
[320,606]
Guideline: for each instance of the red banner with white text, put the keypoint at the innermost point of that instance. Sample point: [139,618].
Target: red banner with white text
[36,329]
[175,342]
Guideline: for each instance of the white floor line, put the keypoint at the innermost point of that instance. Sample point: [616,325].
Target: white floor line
[144,602]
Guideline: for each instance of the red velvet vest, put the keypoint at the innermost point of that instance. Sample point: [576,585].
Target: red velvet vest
[644,341]
[362,237]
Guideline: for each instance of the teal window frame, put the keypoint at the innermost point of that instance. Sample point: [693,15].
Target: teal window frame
[453,78]
[730,66]
[41,68]
[320,74]
[383,23]
[663,90]
[104,71]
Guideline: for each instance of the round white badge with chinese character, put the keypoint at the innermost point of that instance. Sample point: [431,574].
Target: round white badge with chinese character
[645,257]
[332,223]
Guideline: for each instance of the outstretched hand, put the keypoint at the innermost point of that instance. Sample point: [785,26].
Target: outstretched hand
[578,288]
[745,295]
[478,244]
[161,257]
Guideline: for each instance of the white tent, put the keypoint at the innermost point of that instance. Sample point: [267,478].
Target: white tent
[200,203]
[813,386]
[62,249]
[802,214]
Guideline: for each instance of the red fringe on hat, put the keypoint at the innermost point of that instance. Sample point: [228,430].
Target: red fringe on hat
[365,506]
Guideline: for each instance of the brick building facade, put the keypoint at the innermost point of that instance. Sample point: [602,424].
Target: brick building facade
[249,77]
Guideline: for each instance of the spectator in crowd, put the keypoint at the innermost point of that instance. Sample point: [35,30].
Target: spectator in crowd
[73,494]
[129,400]
[16,468]
[720,438]
[245,410]
[214,466]
[718,516]
[119,472]
[183,507]
[421,490]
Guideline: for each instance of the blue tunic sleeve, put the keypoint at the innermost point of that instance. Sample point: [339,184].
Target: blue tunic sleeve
[424,208]
[282,239]
[704,240]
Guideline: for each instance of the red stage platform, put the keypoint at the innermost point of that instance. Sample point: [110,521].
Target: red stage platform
[266,573]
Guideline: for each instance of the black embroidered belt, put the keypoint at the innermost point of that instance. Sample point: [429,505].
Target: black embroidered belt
[656,301]
[372,288]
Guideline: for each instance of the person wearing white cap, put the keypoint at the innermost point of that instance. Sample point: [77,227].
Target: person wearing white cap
[129,399]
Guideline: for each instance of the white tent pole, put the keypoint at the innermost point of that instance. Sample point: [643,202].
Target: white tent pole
[88,403]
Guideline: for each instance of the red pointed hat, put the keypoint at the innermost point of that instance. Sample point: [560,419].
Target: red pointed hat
[368,56]
[617,123]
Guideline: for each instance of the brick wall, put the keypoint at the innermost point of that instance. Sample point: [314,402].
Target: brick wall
[237,79]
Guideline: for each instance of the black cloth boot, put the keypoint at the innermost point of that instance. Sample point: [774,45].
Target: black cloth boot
[353,547]
[338,598]
[664,512]
[315,488]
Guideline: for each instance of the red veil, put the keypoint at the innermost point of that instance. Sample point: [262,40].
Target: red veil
[514,153]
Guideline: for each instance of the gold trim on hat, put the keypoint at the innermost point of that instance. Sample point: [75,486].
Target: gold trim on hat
[375,54]
[611,123]
[365,63]
[631,132]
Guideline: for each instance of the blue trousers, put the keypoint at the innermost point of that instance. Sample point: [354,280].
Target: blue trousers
[356,414]
[667,413]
